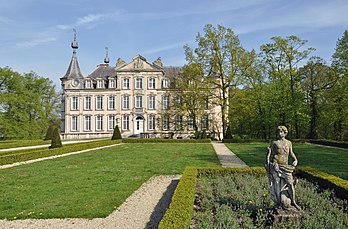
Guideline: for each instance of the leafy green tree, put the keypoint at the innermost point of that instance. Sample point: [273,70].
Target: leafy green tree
[223,61]
[27,103]
[56,142]
[116,134]
[317,76]
[282,58]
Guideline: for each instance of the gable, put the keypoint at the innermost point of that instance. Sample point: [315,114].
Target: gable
[138,63]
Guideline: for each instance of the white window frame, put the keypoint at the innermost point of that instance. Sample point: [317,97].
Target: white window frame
[178,122]
[111,122]
[138,101]
[138,83]
[165,123]
[189,123]
[74,123]
[99,123]
[165,83]
[151,102]
[125,83]
[99,103]
[151,83]
[125,102]
[151,124]
[74,103]
[112,102]
[88,84]
[100,83]
[112,83]
[205,122]
[88,123]
[165,102]
[125,122]
[88,103]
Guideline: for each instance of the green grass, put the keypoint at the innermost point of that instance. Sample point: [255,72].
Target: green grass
[92,184]
[5,144]
[330,160]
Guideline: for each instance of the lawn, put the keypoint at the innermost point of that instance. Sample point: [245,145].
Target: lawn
[92,184]
[331,160]
[5,144]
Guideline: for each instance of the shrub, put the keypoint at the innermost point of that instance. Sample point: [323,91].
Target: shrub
[56,142]
[162,140]
[116,134]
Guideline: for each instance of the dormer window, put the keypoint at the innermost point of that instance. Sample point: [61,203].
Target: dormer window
[165,83]
[88,84]
[112,83]
[100,84]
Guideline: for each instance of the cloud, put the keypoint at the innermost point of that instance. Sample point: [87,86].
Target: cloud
[35,42]
[165,48]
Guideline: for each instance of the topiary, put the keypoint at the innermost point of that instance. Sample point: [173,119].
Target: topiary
[116,134]
[56,142]
[228,134]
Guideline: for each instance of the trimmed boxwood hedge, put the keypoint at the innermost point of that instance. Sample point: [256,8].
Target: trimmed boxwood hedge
[162,140]
[25,155]
[330,143]
[180,211]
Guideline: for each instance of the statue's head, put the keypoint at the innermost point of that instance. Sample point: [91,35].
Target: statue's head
[282,131]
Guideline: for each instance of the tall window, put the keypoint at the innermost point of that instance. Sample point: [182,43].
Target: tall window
[74,126]
[99,103]
[151,124]
[125,102]
[111,122]
[88,123]
[138,101]
[100,84]
[138,83]
[190,123]
[74,103]
[178,122]
[125,83]
[204,122]
[165,123]
[99,122]
[88,84]
[165,102]
[88,103]
[152,102]
[151,83]
[125,122]
[111,103]
[165,83]
[112,84]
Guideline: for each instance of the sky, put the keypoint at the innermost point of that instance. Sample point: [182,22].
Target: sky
[35,35]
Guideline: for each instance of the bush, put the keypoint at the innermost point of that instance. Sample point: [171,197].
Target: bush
[162,140]
[116,134]
[340,144]
[56,142]
[245,140]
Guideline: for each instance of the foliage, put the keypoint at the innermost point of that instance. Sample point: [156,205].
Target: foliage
[330,160]
[6,144]
[161,140]
[10,157]
[51,127]
[116,134]
[93,184]
[56,142]
[27,103]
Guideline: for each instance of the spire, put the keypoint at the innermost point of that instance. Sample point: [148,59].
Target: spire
[106,59]
[73,71]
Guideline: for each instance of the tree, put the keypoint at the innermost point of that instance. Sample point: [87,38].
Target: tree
[223,61]
[282,57]
[56,142]
[27,103]
[316,77]
[116,134]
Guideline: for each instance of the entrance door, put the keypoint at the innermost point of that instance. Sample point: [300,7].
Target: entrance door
[139,125]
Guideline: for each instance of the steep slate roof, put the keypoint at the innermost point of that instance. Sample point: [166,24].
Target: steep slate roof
[103,71]
[73,71]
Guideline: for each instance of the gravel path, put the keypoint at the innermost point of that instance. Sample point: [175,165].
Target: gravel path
[143,209]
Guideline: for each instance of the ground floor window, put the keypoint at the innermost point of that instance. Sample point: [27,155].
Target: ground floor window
[165,123]
[99,123]
[111,122]
[74,122]
[151,122]
[125,122]
[87,123]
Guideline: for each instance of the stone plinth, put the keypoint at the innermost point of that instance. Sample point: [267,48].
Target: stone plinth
[280,215]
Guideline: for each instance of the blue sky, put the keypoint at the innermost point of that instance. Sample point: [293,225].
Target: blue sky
[36,34]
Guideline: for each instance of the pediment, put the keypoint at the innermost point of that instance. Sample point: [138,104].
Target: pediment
[138,63]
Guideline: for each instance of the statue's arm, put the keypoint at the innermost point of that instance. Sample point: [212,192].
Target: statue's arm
[269,154]
[292,154]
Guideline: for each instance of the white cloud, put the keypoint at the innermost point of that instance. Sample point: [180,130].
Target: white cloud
[35,42]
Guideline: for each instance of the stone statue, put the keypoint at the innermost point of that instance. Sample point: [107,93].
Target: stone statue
[280,173]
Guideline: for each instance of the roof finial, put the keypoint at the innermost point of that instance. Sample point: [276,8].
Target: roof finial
[106,59]
[74,44]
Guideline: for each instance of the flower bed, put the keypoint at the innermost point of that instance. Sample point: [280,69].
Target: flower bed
[232,198]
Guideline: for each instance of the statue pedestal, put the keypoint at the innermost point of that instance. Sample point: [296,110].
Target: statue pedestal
[280,215]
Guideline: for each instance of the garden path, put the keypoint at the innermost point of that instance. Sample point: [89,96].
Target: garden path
[226,157]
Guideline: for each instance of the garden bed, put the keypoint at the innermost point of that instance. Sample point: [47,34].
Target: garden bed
[239,198]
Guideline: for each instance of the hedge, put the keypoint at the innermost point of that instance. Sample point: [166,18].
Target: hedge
[162,140]
[325,180]
[180,211]
[24,155]
[21,143]
[330,143]
[245,140]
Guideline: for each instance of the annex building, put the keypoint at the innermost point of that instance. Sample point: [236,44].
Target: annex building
[131,95]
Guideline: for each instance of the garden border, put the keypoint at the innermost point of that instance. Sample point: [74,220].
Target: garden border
[180,211]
